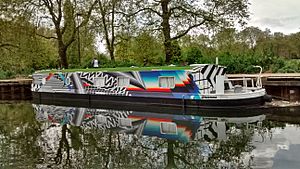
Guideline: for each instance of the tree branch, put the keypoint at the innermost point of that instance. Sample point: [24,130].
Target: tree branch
[89,13]
[46,37]
[104,25]
[59,10]
[188,29]
[138,11]
[84,22]
[185,11]
[49,6]
[7,45]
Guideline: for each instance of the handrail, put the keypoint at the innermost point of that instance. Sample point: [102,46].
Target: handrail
[245,79]
[258,82]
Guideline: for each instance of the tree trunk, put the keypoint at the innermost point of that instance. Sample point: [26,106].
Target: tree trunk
[112,48]
[168,50]
[111,53]
[109,43]
[166,30]
[62,52]
[170,155]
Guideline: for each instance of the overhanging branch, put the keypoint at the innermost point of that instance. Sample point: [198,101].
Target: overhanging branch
[46,37]
[84,22]
[188,29]
[2,45]
[186,11]
[138,11]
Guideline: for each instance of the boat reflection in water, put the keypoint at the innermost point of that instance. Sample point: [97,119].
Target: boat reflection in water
[183,128]
[154,140]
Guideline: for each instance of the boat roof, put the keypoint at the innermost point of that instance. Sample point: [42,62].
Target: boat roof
[120,69]
[127,69]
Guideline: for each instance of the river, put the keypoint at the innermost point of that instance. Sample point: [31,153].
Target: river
[49,136]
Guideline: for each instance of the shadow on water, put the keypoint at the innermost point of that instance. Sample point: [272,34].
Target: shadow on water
[56,136]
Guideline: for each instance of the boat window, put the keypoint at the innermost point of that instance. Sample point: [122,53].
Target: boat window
[99,81]
[123,81]
[125,122]
[168,128]
[167,82]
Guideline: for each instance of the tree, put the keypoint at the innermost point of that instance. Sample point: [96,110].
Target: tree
[294,39]
[107,23]
[176,18]
[130,49]
[64,16]
[225,40]
[21,50]
[250,36]
[82,50]
[113,25]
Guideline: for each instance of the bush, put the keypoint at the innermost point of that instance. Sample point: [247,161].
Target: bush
[243,63]
[8,74]
[291,66]
[87,61]
[192,55]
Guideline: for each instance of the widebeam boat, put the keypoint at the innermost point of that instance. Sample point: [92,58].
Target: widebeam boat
[202,86]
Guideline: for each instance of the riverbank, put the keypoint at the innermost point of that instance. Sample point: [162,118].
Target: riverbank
[15,89]
[282,103]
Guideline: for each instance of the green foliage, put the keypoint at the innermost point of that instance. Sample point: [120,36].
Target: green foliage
[193,55]
[176,53]
[87,51]
[143,49]
[104,62]
[7,74]
[26,51]
[244,63]
[23,52]
[291,66]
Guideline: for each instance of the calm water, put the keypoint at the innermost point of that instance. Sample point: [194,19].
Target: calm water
[48,136]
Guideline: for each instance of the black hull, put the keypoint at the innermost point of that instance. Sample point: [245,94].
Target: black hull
[143,103]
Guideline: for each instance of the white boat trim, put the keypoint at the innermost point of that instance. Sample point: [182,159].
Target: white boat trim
[234,96]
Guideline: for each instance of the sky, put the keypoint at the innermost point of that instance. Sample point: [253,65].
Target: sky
[277,15]
[279,149]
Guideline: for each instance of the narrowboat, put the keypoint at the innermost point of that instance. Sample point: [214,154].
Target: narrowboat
[202,86]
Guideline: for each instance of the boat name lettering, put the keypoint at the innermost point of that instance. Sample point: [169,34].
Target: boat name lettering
[209,97]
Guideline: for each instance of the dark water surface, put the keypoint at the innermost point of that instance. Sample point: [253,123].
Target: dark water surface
[48,136]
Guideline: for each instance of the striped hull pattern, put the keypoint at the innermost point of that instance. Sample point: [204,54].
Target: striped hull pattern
[205,77]
[141,84]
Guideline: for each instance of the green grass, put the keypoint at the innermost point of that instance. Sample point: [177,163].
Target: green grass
[121,69]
